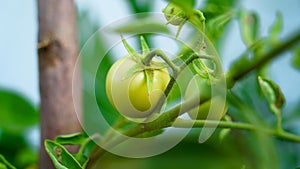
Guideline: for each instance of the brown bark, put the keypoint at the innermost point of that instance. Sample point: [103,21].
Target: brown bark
[58,51]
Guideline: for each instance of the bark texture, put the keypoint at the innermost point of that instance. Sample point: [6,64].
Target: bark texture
[58,51]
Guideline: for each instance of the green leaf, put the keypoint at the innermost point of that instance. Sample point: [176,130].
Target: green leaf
[17,113]
[145,47]
[220,21]
[4,164]
[216,25]
[296,59]
[60,157]
[249,27]
[144,25]
[76,139]
[224,133]
[275,29]
[82,159]
[71,139]
[272,92]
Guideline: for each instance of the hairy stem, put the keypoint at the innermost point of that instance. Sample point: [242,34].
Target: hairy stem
[161,54]
[234,75]
[236,125]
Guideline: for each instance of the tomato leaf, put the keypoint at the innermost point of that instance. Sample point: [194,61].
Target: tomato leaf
[71,139]
[224,133]
[296,59]
[16,112]
[275,29]
[249,27]
[220,20]
[216,25]
[145,47]
[60,157]
[82,159]
[144,25]
[76,139]
[272,92]
[4,164]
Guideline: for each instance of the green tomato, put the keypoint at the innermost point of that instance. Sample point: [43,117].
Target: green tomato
[200,88]
[201,112]
[174,14]
[130,95]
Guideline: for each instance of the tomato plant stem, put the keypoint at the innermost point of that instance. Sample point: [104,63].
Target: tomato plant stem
[235,125]
[161,54]
[242,68]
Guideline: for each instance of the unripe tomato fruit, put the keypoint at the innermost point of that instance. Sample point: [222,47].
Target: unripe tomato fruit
[200,88]
[174,14]
[129,95]
[201,112]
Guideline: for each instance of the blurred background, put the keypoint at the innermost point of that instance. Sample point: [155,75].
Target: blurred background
[19,91]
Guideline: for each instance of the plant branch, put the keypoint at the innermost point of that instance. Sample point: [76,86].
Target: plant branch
[244,68]
[236,125]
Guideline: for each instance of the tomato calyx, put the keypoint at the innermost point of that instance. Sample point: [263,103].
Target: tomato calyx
[147,67]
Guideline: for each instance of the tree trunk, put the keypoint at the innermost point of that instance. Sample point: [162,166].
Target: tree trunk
[58,51]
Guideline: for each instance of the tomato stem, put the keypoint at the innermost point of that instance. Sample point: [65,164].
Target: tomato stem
[235,125]
[157,52]
[242,68]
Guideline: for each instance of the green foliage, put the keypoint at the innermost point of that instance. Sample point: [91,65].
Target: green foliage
[274,96]
[216,25]
[272,92]
[71,139]
[249,27]
[275,29]
[296,59]
[4,164]
[140,7]
[143,25]
[247,106]
[17,114]
[60,157]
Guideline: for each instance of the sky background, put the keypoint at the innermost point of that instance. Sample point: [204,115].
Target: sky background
[18,32]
